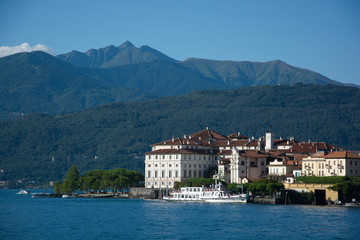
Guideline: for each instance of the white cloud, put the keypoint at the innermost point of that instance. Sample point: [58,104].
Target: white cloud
[25,47]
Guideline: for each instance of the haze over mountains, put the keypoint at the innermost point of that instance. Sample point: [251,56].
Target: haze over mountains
[38,82]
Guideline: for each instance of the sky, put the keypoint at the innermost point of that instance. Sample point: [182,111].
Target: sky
[322,35]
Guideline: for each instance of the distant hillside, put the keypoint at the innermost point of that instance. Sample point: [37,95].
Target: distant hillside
[112,56]
[228,73]
[159,77]
[244,73]
[38,82]
[43,147]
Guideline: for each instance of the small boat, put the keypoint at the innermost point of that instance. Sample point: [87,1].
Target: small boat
[23,192]
[352,204]
[68,196]
[211,195]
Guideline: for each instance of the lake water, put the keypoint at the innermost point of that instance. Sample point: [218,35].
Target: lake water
[23,217]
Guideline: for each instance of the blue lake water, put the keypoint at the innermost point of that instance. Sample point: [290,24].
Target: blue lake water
[23,217]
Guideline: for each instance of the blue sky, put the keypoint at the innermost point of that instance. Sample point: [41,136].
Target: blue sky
[321,35]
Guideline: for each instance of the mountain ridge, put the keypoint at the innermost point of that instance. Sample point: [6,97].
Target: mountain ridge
[55,85]
[112,56]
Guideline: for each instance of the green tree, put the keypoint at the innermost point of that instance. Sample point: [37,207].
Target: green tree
[71,181]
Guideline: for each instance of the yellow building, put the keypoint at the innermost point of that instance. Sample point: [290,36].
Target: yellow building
[340,163]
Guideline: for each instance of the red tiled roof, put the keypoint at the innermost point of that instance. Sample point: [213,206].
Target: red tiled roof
[312,147]
[225,152]
[208,134]
[237,136]
[342,154]
[180,151]
[253,153]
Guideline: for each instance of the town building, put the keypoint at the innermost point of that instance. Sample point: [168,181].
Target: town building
[340,163]
[239,159]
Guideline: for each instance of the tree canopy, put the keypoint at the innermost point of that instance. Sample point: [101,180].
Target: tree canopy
[99,180]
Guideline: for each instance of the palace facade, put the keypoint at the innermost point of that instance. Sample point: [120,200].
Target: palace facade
[236,158]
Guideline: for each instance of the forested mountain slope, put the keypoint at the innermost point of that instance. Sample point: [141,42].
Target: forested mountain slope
[116,135]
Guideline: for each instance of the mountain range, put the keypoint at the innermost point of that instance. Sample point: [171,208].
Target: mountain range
[38,82]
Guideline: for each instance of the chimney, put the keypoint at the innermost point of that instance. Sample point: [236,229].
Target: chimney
[228,142]
[173,139]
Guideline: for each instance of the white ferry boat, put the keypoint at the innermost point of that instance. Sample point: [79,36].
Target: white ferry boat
[216,194]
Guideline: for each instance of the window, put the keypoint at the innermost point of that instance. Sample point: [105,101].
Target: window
[169,165]
[177,156]
[262,163]
[149,156]
[170,183]
[163,165]
[169,156]
[149,184]
[149,165]
[200,173]
[155,165]
[199,165]
[189,165]
[242,163]
[355,163]
[184,165]
[162,183]
[176,174]
[204,157]
[149,174]
[156,174]
[155,183]
[170,174]
[189,173]
[163,156]
[194,173]
[176,165]
[215,158]
[350,163]
[184,173]
[156,156]
[162,174]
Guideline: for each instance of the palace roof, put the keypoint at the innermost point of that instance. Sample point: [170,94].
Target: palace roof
[343,155]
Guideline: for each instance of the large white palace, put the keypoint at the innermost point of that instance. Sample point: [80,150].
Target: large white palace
[238,159]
